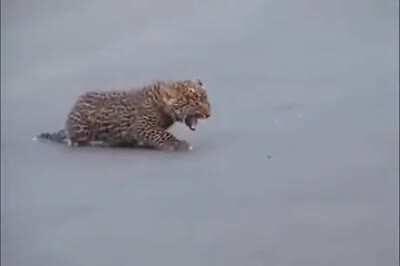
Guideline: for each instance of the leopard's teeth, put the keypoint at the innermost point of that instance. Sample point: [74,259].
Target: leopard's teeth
[194,124]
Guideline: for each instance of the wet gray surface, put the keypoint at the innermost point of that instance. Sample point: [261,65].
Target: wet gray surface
[298,165]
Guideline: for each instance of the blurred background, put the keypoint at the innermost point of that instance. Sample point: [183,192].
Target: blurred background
[298,164]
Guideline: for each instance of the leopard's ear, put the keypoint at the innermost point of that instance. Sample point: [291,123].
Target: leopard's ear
[198,82]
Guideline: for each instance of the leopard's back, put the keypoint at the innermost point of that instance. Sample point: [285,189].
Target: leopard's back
[100,116]
[140,116]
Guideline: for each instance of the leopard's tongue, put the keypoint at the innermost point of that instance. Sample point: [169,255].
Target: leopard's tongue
[191,122]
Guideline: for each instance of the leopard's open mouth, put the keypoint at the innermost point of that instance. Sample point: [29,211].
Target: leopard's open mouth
[191,122]
[192,119]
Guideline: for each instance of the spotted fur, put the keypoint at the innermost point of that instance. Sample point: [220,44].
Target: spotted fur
[137,116]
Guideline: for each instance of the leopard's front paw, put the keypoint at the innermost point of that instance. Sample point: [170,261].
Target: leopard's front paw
[179,145]
[183,145]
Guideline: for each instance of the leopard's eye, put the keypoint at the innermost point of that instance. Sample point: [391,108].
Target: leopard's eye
[191,90]
[195,97]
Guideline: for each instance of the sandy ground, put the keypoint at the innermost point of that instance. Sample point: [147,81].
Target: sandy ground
[297,166]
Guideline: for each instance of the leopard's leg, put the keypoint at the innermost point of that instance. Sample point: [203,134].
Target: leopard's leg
[110,138]
[122,144]
[160,139]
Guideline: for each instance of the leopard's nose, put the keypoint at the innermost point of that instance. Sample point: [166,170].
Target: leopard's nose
[206,111]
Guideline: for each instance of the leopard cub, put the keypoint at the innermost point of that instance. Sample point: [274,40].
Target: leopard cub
[135,116]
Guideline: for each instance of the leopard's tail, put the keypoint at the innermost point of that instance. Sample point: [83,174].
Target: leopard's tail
[59,136]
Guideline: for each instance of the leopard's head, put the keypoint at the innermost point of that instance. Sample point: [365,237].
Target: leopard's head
[187,101]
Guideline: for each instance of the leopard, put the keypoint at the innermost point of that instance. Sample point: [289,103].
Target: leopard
[135,117]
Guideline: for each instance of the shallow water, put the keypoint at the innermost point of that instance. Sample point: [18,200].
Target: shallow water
[296,166]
